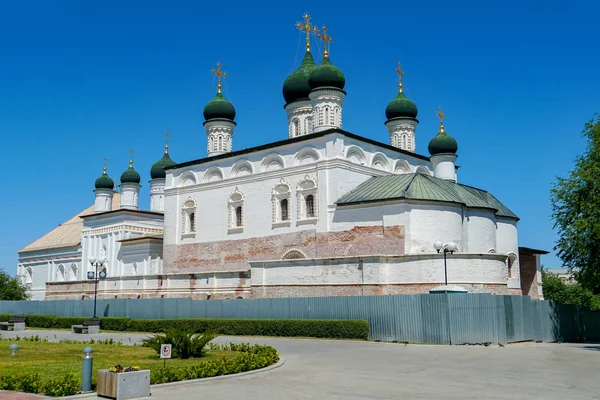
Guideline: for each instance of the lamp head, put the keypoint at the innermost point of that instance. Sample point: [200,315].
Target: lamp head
[92,260]
[451,246]
[102,260]
[437,245]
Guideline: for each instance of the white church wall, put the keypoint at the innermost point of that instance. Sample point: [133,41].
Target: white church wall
[434,221]
[481,227]
[507,243]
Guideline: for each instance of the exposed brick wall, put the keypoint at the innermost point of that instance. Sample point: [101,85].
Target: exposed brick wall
[528,269]
[235,254]
[363,290]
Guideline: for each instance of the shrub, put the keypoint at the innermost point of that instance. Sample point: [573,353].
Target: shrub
[64,386]
[185,344]
[29,383]
[331,329]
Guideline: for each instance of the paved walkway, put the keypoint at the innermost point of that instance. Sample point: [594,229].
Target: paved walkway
[321,369]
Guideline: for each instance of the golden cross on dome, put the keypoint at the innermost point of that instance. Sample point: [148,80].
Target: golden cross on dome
[400,73]
[220,74]
[326,40]
[308,28]
[130,158]
[167,136]
[105,159]
[441,114]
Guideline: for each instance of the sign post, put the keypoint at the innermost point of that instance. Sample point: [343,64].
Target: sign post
[165,352]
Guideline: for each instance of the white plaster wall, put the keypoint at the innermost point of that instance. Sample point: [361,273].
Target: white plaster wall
[481,227]
[463,268]
[431,222]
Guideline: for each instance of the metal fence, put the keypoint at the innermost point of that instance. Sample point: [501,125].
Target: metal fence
[427,318]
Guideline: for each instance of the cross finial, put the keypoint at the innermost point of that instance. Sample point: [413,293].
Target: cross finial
[400,73]
[220,74]
[308,28]
[167,136]
[104,171]
[130,158]
[441,114]
[326,40]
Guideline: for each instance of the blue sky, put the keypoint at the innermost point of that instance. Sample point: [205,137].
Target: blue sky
[84,80]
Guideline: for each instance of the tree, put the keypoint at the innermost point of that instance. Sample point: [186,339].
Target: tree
[11,288]
[555,289]
[576,212]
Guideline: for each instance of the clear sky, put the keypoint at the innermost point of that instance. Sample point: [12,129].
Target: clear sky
[84,80]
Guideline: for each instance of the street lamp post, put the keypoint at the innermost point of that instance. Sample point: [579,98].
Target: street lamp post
[95,276]
[448,248]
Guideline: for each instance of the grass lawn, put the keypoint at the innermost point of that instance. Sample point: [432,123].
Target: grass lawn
[53,360]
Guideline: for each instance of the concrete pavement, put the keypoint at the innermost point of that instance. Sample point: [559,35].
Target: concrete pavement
[323,369]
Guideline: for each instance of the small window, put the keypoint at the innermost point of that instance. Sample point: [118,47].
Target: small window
[284,210]
[238,216]
[310,206]
[193,222]
[220,143]
[189,217]
[296,127]
[326,115]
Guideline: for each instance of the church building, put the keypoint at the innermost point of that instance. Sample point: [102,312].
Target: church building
[323,212]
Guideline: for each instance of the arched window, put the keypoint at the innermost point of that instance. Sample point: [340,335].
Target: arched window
[320,111]
[188,214]
[236,210]
[284,210]
[238,216]
[73,272]
[305,126]
[28,277]
[404,143]
[310,125]
[296,127]
[334,116]
[220,143]
[512,262]
[60,273]
[326,115]
[307,195]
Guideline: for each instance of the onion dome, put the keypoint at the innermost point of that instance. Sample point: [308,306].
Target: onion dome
[326,75]
[158,168]
[105,182]
[296,85]
[442,142]
[401,107]
[130,175]
[219,108]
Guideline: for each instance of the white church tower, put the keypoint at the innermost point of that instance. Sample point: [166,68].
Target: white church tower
[443,149]
[296,89]
[327,91]
[219,115]
[402,120]
[158,175]
[130,188]
[104,193]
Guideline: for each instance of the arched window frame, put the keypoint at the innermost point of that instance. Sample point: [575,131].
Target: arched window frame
[512,264]
[60,273]
[188,218]
[281,192]
[236,211]
[28,277]
[73,272]
[296,124]
[307,187]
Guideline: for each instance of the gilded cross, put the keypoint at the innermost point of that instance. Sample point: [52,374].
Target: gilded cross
[308,28]
[105,159]
[441,114]
[400,73]
[220,74]
[167,136]
[130,158]
[326,40]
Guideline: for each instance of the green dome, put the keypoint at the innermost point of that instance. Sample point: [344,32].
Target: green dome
[401,107]
[130,175]
[105,182]
[158,168]
[442,143]
[296,85]
[326,75]
[219,108]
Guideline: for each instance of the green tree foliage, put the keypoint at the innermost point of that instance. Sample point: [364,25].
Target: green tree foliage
[11,288]
[576,212]
[555,289]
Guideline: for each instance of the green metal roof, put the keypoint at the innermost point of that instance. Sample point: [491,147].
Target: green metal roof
[417,186]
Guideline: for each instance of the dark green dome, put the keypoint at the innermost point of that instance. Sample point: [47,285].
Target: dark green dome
[104,182]
[296,85]
[326,75]
[130,175]
[158,168]
[442,143]
[219,108]
[401,107]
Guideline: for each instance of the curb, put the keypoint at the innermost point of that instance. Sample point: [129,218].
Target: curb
[189,381]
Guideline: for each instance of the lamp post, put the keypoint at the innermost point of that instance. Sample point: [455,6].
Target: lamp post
[95,276]
[450,247]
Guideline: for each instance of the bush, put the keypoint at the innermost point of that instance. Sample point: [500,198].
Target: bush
[64,386]
[31,383]
[254,357]
[330,329]
[185,344]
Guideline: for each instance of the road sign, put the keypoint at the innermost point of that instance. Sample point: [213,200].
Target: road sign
[165,350]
